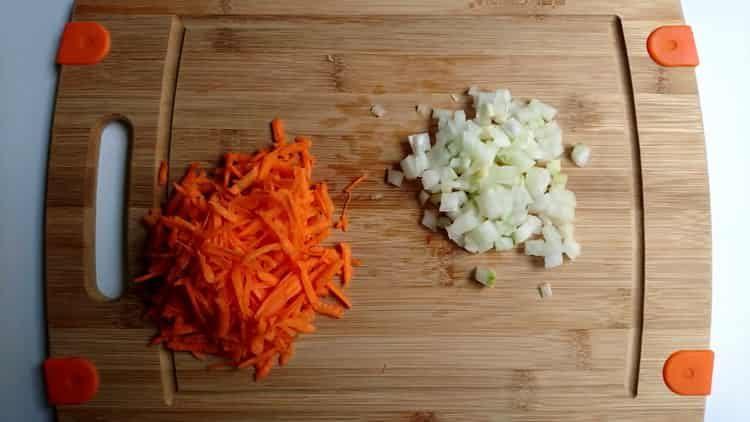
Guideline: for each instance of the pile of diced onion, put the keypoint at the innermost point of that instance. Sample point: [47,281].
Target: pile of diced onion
[495,181]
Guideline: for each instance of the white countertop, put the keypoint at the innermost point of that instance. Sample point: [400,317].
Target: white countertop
[29,32]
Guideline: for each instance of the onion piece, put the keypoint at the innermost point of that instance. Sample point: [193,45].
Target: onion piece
[424,110]
[377,110]
[485,276]
[395,177]
[430,219]
[420,143]
[545,290]
[581,154]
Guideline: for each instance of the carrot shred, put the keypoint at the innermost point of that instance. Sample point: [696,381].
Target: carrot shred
[340,295]
[343,222]
[277,129]
[163,173]
[236,266]
[329,309]
[346,256]
[354,183]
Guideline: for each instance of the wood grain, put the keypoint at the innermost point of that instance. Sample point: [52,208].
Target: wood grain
[423,343]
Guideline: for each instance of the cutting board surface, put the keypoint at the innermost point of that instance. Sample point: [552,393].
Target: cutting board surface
[414,293]
[423,341]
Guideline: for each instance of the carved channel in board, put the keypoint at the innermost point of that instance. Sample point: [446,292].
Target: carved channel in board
[633,362]
[166,115]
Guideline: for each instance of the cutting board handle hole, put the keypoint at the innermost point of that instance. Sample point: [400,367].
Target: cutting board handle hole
[110,228]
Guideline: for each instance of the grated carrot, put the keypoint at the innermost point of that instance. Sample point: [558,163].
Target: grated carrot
[236,269]
[343,222]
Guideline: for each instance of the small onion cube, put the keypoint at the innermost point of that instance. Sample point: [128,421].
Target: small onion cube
[513,127]
[395,177]
[463,223]
[537,181]
[377,110]
[581,155]
[571,248]
[566,230]
[485,276]
[503,243]
[546,111]
[423,109]
[419,142]
[430,178]
[452,201]
[545,290]
[409,167]
[530,227]
[527,114]
[422,162]
[552,261]
[430,219]
[554,166]
[559,181]
[495,202]
[535,247]
[484,236]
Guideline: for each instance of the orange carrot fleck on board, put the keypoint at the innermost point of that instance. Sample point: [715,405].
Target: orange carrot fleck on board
[163,173]
[346,255]
[343,222]
[354,183]
[236,268]
[277,129]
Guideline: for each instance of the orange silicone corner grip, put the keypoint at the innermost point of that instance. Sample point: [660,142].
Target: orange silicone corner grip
[83,43]
[70,380]
[689,372]
[673,46]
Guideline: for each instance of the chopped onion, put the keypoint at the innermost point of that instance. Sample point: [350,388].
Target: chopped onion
[430,179]
[495,202]
[496,180]
[452,201]
[545,290]
[395,177]
[377,110]
[464,223]
[484,236]
[423,109]
[414,164]
[554,167]
[419,143]
[485,276]
[537,181]
[553,260]
[429,219]
[503,243]
[581,154]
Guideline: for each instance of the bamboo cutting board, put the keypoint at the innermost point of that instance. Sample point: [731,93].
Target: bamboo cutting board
[194,79]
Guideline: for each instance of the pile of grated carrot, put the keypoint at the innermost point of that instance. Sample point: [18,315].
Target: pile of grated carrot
[236,259]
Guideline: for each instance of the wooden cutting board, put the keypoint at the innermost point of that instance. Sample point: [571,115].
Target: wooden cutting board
[195,78]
